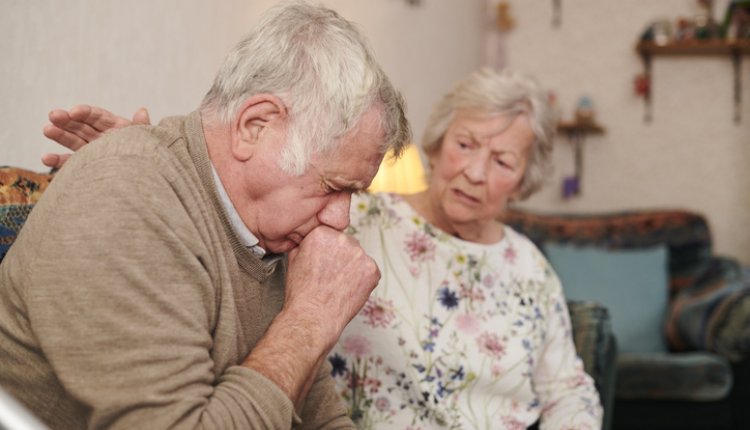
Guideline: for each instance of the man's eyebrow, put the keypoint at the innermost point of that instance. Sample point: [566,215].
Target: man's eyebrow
[354,188]
[346,186]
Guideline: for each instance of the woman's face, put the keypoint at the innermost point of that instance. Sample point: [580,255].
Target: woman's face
[479,167]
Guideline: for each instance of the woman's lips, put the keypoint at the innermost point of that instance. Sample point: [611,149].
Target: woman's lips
[465,197]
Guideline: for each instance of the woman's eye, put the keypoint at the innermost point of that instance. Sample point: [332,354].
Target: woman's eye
[503,163]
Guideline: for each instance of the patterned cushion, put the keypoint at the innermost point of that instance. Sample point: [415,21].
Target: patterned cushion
[19,191]
[709,304]
[713,314]
[685,233]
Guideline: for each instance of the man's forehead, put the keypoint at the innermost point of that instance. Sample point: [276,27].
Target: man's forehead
[353,170]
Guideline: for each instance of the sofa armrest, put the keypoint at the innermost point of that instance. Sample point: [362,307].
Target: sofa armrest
[714,314]
[595,344]
[732,333]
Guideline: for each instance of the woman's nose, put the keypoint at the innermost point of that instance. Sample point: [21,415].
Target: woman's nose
[476,168]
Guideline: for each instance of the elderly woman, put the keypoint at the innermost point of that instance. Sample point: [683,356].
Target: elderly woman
[468,327]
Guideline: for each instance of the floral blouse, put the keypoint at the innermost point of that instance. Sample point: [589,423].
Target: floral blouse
[458,335]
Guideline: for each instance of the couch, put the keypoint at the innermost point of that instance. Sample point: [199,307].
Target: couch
[20,189]
[702,378]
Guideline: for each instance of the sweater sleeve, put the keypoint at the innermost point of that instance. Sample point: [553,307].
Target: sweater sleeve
[324,408]
[124,307]
[567,393]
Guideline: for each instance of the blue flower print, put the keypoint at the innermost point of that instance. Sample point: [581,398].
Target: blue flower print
[448,298]
[339,365]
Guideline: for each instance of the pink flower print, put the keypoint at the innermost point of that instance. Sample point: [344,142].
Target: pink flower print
[490,344]
[467,323]
[373,383]
[357,346]
[510,423]
[378,312]
[382,404]
[510,254]
[414,270]
[579,380]
[497,370]
[471,293]
[488,281]
[420,247]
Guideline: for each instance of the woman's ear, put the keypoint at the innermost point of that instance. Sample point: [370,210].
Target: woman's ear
[257,115]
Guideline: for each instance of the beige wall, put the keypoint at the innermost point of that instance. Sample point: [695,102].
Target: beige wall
[691,156]
[163,55]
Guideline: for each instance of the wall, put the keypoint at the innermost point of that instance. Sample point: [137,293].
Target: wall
[163,55]
[691,156]
[121,55]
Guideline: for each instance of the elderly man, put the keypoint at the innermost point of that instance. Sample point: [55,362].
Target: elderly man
[195,273]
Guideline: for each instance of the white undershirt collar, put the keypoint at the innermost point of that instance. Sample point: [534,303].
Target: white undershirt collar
[247,238]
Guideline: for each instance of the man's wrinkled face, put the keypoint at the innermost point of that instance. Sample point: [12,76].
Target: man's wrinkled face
[286,208]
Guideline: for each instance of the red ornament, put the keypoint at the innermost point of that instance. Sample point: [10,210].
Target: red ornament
[642,85]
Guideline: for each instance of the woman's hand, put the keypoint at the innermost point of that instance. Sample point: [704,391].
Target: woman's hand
[80,125]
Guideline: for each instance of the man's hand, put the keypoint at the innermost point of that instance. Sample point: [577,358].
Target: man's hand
[80,125]
[329,279]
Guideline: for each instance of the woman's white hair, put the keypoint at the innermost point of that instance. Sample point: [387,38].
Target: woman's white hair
[499,92]
[323,70]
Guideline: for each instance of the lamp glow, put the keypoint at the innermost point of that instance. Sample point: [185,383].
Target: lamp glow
[403,176]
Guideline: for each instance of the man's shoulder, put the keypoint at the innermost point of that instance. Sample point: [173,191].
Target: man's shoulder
[137,146]
[137,138]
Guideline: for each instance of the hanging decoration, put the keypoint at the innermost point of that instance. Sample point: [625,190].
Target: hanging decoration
[556,13]
[504,20]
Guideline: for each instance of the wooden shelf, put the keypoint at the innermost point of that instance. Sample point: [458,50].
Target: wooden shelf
[732,49]
[698,47]
[576,131]
[584,127]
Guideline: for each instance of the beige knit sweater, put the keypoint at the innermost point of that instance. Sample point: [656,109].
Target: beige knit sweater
[128,302]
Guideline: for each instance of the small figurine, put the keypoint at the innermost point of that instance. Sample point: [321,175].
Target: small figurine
[641,85]
[504,20]
[585,110]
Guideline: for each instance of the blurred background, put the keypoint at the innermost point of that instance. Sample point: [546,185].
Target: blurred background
[692,154]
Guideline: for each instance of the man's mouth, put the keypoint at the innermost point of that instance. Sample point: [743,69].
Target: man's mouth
[296,238]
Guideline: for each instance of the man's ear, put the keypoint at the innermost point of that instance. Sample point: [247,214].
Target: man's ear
[256,116]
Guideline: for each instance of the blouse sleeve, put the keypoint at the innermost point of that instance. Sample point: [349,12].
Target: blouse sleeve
[567,393]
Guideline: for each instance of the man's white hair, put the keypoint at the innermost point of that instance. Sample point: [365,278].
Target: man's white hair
[323,70]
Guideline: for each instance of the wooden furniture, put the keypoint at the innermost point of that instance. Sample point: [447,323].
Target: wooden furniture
[576,132]
[714,47]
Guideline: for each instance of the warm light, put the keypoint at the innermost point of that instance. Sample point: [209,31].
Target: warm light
[402,176]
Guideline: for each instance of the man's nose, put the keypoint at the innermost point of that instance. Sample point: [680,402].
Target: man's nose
[336,213]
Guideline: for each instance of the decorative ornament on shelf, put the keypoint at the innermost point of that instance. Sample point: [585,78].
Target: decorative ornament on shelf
[585,110]
[642,85]
[556,13]
[504,21]
[576,131]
